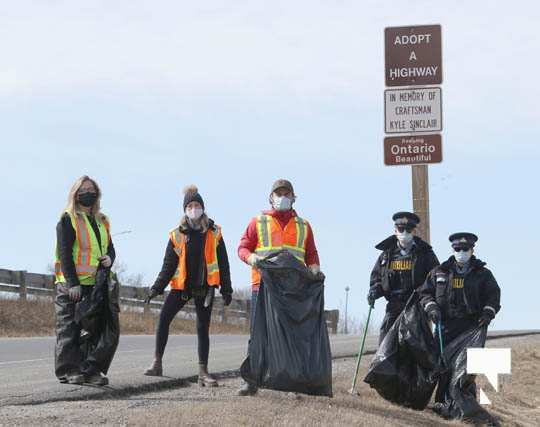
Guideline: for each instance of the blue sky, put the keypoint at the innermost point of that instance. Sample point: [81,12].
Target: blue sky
[147,97]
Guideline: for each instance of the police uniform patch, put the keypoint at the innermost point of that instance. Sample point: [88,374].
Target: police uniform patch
[401,264]
[458,283]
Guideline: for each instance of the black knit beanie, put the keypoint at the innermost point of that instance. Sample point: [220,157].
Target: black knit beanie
[191,194]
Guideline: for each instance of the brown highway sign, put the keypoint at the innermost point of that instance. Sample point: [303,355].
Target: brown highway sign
[413,55]
[412,150]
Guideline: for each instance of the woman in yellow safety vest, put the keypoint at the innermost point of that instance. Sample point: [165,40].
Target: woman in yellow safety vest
[195,264]
[83,243]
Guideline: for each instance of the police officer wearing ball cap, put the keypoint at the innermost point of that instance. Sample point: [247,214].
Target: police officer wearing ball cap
[403,266]
[461,293]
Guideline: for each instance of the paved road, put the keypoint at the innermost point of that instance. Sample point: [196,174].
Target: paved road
[26,365]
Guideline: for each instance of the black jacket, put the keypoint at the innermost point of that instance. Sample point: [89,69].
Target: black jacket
[196,271]
[423,259]
[480,290]
[65,239]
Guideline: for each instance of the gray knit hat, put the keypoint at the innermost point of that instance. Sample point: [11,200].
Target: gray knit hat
[191,194]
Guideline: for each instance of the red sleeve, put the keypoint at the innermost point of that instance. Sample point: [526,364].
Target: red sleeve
[312,256]
[248,242]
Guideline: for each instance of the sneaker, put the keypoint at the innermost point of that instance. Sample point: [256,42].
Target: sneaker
[247,390]
[96,379]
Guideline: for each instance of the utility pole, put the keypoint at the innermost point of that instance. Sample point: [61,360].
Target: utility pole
[347,289]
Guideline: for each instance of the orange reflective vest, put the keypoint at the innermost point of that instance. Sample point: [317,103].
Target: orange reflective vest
[86,249]
[272,238]
[178,239]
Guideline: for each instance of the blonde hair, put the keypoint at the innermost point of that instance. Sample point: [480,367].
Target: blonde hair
[73,207]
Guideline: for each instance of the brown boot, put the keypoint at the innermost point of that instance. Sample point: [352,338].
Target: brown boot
[155,369]
[205,379]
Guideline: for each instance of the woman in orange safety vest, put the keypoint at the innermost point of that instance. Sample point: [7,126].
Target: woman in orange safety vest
[195,265]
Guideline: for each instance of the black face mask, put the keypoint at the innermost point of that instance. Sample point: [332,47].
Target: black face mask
[87,199]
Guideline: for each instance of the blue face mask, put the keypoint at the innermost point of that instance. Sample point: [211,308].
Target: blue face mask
[281,203]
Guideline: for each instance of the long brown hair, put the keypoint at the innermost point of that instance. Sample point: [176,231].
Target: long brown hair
[73,207]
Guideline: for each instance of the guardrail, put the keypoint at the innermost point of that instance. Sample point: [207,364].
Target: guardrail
[25,283]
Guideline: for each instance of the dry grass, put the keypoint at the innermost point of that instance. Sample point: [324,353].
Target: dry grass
[220,407]
[26,318]
[517,403]
[133,322]
[36,318]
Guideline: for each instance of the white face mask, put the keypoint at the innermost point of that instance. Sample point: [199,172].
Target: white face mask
[463,257]
[281,203]
[404,238]
[194,213]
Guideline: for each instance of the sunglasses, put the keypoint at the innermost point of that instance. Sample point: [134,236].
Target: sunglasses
[462,249]
[402,228]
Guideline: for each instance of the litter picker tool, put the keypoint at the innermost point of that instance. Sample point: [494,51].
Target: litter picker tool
[361,350]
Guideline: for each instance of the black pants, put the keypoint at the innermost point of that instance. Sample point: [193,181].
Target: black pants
[68,355]
[173,304]
[451,329]
[393,310]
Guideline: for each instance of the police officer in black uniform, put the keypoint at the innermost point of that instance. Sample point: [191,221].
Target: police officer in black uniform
[461,294]
[402,267]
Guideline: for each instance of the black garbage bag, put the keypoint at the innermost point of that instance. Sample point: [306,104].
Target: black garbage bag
[98,317]
[407,364]
[87,332]
[289,348]
[457,389]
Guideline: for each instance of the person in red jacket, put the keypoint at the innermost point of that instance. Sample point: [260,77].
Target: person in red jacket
[274,230]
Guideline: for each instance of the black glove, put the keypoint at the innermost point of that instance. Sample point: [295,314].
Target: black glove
[485,318]
[434,314]
[372,297]
[227,299]
[152,293]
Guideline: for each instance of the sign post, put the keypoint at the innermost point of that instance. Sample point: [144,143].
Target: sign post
[413,57]
[420,194]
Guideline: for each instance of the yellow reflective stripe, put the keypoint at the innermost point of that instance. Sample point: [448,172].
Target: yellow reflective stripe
[85,269]
[301,232]
[217,234]
[212,268]
[263,231]
[297,252]
[267,252]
